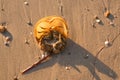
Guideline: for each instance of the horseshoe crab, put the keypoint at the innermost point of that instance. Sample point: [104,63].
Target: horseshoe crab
[51,34]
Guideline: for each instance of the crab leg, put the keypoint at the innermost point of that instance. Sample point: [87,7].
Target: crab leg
[36,63]
[60,38]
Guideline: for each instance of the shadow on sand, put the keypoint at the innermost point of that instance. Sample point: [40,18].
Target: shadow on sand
[7,34]
[74,55]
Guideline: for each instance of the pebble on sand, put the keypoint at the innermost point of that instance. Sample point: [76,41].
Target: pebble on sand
[2,29]
[16,78]
[67,68]
[29,23]
[106,14]
[2,9]
[26,3]
[98,20]
[96,17]
[26,41]
[107,43]
[111,23]
[7,38]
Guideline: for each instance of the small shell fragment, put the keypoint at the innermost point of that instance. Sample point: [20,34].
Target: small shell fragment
[96,17]
[26,3]
[106,14]
[42,56]
[26,41]
[107,43]
[98,20]
[29,23]
[111,23]
[2,28]
[67,68]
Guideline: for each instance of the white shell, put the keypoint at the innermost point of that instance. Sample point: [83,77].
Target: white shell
[98,20]
[107,43]
[67,67]
[26,3]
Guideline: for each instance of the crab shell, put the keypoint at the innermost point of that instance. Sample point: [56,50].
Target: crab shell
[47,24]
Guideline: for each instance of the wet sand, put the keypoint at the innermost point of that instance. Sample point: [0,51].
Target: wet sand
[86,54]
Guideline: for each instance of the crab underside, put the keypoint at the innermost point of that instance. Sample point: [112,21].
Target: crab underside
[53,43]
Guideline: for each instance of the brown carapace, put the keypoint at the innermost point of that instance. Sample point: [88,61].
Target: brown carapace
[51,33]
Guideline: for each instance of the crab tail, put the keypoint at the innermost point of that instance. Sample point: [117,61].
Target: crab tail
[35,64]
